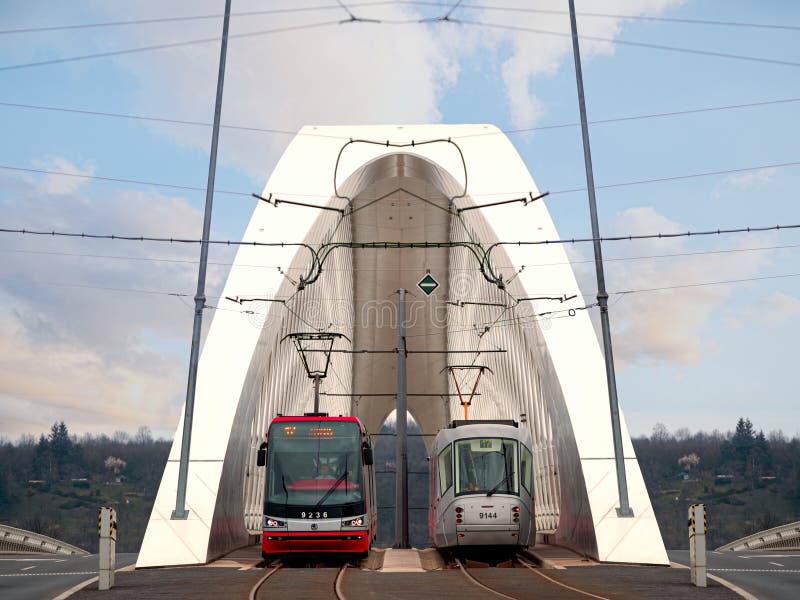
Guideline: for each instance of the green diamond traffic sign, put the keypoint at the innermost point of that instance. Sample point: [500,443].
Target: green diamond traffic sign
[427,284]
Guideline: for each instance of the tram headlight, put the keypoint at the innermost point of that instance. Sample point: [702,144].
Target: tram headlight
[270,522]
[357,522]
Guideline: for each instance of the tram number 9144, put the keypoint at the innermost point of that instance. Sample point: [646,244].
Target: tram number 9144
[314,515]
[487,515]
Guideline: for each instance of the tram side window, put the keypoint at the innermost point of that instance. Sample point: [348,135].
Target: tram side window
[445,470]
[526,468]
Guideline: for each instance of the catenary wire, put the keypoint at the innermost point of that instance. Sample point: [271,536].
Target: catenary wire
[67,59]
[272,130]
[678,177]
[376,269]
[417,21]
[169,120]
[495,323]
[121,180]
[676,20]
[618,238]
[497,193]
[591,38]
[156,20]
[356,5]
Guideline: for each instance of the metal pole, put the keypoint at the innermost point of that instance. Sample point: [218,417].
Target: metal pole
[624,509]
[401,474]
[180,511]
[316,394]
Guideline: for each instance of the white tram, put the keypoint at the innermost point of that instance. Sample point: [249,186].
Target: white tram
[481,478]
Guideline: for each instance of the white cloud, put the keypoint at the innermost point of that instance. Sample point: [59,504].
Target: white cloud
[778,307]
[58,184]
[743,182]
[536,55]
[668,326]
[357,73]
[773,309]
[75,345]
[339,74]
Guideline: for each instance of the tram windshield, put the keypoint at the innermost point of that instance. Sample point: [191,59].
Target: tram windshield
[486,465]
[313,465]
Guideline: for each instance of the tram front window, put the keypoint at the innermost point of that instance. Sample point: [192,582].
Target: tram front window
[314,468]
[486,465]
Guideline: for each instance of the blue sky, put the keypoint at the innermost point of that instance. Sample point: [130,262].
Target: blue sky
[691,357]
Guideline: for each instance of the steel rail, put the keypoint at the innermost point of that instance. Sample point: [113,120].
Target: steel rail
[558,583]
[337,583]
[260,582]
[469,576]
[530,567]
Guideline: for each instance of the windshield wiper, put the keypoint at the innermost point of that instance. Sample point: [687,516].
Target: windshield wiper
[335,484]
[497,487]
[505,473]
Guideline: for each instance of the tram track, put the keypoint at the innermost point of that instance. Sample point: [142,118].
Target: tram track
[254,592]
[337,583]
[480,584]
[536,571]
[261,589]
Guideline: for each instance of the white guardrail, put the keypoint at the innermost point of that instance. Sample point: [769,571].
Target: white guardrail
[785,537]
[21,541]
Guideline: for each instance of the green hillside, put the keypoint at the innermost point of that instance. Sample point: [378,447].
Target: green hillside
[54,485]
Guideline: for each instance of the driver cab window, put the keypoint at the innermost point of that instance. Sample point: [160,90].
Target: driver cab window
[445,469]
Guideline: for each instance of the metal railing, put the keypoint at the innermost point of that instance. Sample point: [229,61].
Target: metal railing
[785,537]
[13,540]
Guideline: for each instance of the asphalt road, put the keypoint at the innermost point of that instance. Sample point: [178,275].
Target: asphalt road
[44,576]
[768,574]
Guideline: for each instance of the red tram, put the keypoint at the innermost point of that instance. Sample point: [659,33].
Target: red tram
[319,492]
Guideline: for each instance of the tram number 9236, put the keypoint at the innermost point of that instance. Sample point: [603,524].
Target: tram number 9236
[314,515]
[487,515]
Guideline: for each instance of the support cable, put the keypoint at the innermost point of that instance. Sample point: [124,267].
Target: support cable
[126,51]
[592,38]
[496,193]
[255,13]
[174,121]
[378,269]
[401,145]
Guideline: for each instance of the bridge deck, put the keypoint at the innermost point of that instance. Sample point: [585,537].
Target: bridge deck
[236,575]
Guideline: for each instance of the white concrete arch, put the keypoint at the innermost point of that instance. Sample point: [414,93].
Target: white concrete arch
[551,376]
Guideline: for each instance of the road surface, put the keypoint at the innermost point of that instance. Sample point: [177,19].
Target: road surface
[767,574]
[45,576]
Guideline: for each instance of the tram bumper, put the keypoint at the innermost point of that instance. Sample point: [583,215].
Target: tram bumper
[487,535]
[312,542]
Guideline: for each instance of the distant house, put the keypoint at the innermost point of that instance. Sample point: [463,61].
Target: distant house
[128,495]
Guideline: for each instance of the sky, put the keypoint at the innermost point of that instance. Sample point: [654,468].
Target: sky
[97,333]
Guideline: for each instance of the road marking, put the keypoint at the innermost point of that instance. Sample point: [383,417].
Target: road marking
[728,584]
[78,587]
[40,574]
[776,564]
[756,570]
[770,556]
[34,559]
[28,568]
